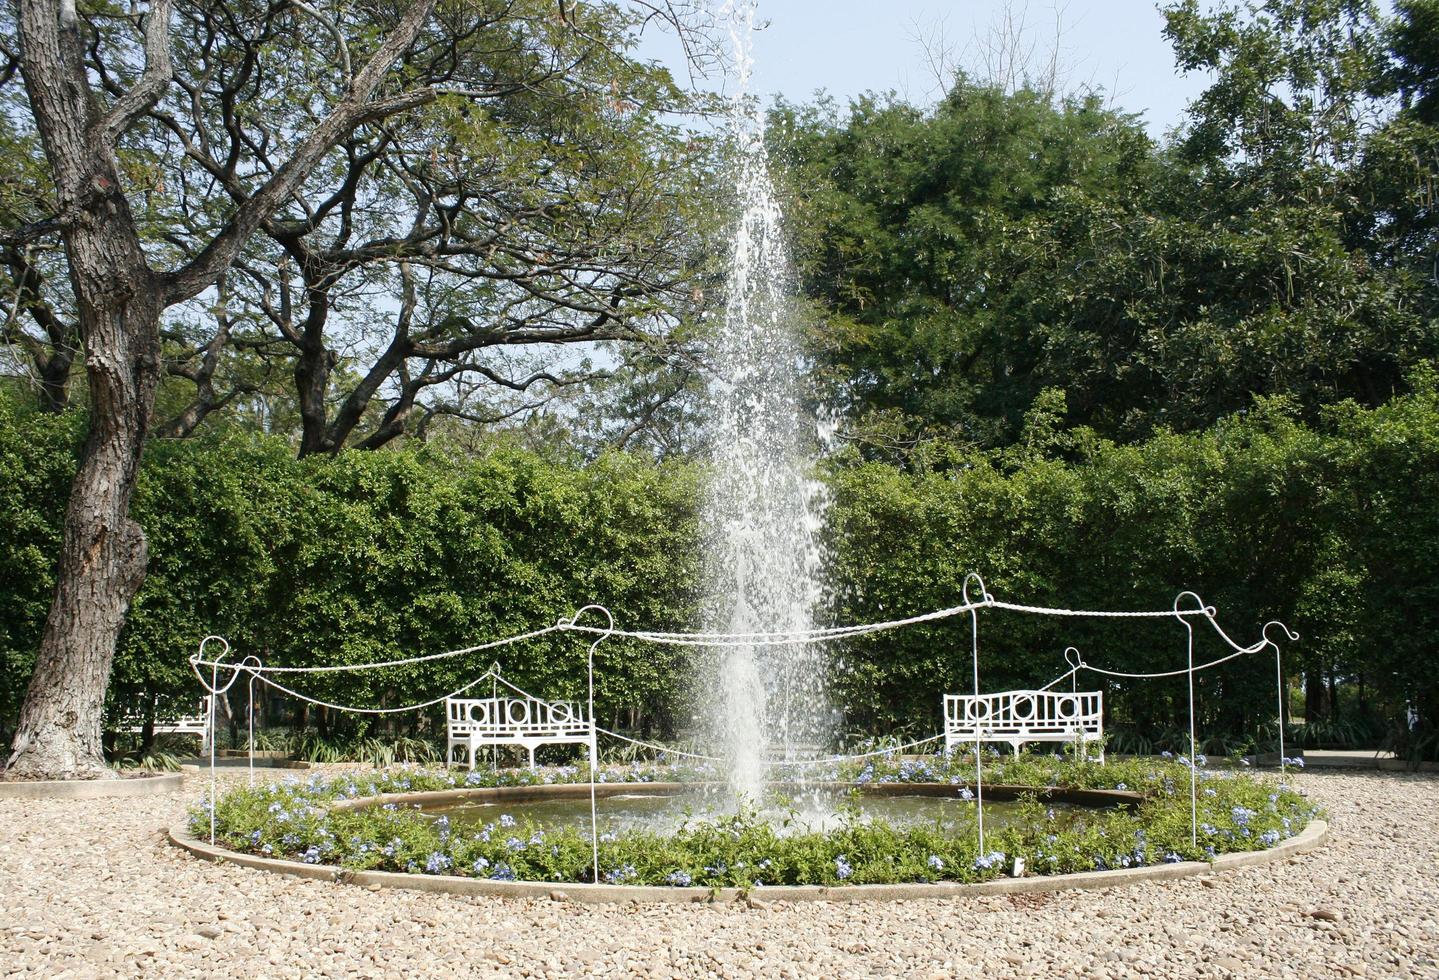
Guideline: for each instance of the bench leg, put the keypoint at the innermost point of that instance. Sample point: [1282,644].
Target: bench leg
[532,755]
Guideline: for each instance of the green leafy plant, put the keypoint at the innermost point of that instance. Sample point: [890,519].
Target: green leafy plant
[297,820]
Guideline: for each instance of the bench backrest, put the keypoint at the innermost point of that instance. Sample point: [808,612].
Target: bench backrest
[512,715]
[1026,713]
[196,724]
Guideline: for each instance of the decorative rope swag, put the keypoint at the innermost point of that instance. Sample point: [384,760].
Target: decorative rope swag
[1184,612]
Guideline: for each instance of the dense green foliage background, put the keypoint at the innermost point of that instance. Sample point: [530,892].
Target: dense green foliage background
[1095,366]
[366,556]
[965,257]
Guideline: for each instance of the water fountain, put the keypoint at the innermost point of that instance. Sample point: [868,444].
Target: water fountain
[762,507]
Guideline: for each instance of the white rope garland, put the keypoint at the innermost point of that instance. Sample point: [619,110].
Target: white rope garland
[659,748]
[775,763]
[381,664]
[256,670]
[373,711]
[765,638]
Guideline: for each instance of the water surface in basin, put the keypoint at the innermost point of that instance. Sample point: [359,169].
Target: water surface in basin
[665,813]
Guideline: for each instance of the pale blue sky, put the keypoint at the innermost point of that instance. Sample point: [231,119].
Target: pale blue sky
[850,46]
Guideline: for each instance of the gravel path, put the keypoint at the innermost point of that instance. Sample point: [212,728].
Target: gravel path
[90,888]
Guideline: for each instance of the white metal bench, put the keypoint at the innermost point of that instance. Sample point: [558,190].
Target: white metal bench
[197,724]
[1018,717]
[514,717]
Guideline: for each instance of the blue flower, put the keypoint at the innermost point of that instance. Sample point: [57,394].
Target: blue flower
[620,875]
[1172,858]
[679,879]
[965,793]
[1269,838]
[514,844]
[503,872]
[986,861]
[438,863]
[481,865]
[842,869]
[936,862]
[506,820]
[312,856]
[1121,786]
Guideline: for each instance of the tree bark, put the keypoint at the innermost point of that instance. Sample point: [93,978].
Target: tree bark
[119,300]
[103,552]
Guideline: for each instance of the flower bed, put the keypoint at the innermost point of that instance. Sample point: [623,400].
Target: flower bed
[300,821]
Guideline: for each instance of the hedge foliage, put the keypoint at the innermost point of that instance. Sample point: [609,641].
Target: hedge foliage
[1329,527]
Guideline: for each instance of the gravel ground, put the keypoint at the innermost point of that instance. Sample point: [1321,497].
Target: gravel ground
[90,888]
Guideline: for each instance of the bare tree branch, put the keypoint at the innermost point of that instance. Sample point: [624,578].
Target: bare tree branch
[153,81]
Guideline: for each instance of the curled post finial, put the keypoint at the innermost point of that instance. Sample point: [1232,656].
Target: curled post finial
[1073,658]
[250,664]
[200,654]
[1288,633]
[1198,607]
[984,595]
[609,618]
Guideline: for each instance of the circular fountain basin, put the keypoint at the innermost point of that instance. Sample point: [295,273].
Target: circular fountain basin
[665,807]
[515,799]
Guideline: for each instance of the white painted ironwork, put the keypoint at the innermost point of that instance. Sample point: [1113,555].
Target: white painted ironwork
[1017,717]
[974,732]
[196,724]
[515,717]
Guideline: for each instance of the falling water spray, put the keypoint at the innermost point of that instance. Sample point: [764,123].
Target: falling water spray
[763,508]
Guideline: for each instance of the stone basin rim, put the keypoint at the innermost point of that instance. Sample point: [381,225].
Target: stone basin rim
[1311,837]
[150,784]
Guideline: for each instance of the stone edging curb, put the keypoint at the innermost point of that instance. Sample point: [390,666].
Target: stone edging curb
[92,789]
[1308,839]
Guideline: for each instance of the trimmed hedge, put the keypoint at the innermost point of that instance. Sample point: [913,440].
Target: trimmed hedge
[1331,528]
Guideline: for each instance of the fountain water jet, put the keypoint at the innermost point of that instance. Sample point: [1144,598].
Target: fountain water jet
[762,508]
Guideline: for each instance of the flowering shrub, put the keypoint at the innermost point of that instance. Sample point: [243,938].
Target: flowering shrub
[1237,812]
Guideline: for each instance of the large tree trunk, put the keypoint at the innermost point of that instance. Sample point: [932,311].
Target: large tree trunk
[119,301]
[103,553]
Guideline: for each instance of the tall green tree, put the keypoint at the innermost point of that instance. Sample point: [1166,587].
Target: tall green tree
[276,101]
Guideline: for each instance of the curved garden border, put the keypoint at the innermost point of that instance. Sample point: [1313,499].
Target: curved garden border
[92,789]
[1309,839]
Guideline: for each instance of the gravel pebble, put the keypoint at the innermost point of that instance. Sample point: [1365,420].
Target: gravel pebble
[91,888]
